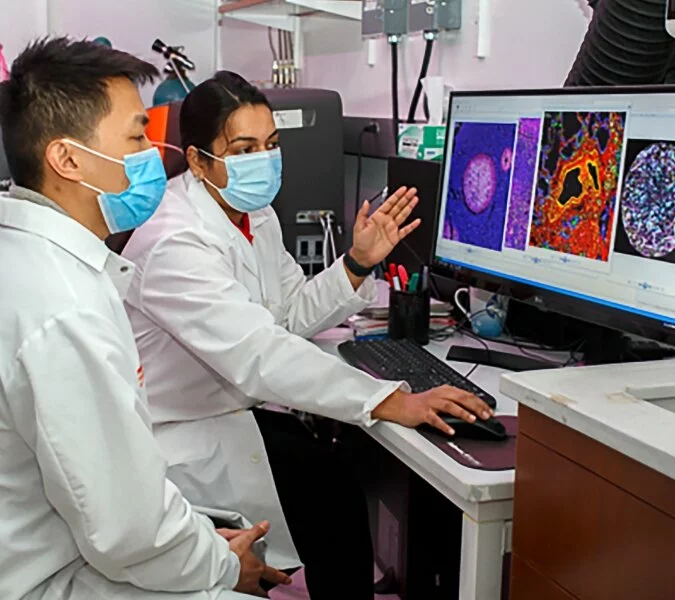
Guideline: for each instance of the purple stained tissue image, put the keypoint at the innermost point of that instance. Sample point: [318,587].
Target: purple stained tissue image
[522,183]
[478,189]
[648,200]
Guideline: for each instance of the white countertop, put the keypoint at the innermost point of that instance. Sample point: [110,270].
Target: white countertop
[467,488]
[596,402]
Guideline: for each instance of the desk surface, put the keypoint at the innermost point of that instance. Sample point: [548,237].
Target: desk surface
[595,401]
[463,486]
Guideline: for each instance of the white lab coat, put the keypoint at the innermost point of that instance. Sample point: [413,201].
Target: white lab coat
[220,324]
[86,511]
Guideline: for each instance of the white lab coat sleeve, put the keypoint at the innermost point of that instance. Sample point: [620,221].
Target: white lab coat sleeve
[101,467]
[323,302]
[188,289]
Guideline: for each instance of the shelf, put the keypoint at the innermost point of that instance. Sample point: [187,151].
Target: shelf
[283,14]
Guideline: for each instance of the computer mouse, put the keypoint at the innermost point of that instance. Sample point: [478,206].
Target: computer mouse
[491,429]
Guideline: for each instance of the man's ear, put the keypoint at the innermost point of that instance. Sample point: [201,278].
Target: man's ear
[64,159]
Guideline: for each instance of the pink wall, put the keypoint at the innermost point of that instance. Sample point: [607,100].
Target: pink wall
[533,44]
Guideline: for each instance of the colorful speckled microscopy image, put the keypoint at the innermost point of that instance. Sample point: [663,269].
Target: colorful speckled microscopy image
[647,223]
[478,190]
[577,183]
[522,184]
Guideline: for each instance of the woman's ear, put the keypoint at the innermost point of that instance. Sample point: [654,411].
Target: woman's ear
[194,161]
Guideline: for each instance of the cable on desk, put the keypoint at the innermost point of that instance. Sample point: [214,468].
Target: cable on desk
[481,341]
[443,335]
[472,371]
[525,352]
[518,342]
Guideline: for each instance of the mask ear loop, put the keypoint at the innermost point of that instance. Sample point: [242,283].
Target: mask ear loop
[214,157]
[94,152]
[213,185]
[169,146]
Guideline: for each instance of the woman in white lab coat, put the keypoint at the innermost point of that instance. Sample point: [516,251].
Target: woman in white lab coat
[221,315]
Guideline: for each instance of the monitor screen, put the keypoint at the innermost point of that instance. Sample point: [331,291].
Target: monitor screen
[569,192]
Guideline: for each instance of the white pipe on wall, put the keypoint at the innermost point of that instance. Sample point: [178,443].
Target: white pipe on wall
[217,39]
[484,28]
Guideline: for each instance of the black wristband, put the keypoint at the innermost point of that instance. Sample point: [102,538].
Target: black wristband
[356,268]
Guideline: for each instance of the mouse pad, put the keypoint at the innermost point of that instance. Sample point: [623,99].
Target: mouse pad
[480,454]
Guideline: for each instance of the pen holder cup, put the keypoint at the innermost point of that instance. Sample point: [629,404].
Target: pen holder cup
[409,316]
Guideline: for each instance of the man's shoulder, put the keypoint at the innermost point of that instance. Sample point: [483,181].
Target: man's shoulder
[40,282]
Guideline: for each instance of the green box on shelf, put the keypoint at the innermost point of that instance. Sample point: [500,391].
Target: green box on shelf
[423,142]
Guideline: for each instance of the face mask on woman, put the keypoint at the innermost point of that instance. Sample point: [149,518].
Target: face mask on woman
[253,180]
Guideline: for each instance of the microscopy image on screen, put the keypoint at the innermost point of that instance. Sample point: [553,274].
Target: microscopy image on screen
[578,173]
[522,184]
[478,189]
[647,224]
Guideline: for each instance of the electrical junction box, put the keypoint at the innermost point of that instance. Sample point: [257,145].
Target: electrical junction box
[372,18]
[434,15]
[395,17]
[449,14]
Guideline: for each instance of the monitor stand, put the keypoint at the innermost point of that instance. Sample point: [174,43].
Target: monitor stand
[605,346]
[601,346]
[495,358]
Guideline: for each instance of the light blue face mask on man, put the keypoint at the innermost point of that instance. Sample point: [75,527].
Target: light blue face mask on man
[253,180]
[135,205]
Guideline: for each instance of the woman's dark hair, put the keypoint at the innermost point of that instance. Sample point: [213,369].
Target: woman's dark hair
[207,108]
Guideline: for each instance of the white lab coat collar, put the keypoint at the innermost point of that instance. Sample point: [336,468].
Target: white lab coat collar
[217,222]
[68,234]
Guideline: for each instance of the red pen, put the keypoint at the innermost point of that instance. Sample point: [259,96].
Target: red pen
[403,277]
[392,271]
[389,279]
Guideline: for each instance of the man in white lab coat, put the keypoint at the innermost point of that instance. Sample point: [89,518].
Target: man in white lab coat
[86,510]
[221,314]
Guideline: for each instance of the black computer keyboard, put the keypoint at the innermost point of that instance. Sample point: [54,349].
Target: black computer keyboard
[405,360]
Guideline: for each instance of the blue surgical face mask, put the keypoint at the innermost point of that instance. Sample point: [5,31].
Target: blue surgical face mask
[135,205]
[253,180]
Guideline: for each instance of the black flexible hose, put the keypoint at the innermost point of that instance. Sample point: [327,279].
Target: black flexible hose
[428,49]
[394,92]
[626,44]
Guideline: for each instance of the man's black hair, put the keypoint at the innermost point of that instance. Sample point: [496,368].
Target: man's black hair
[58,89]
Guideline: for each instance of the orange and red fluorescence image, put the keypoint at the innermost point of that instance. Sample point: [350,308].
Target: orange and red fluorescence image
[577,179]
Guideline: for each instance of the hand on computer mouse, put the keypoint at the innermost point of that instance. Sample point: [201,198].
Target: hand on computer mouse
[412,410]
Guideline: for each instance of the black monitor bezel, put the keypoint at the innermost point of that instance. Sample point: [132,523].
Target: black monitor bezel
[542,298]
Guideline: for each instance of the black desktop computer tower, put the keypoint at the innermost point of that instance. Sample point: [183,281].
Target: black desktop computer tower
[416,532]
[311,136]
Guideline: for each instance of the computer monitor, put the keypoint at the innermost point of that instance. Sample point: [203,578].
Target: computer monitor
[564,199]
